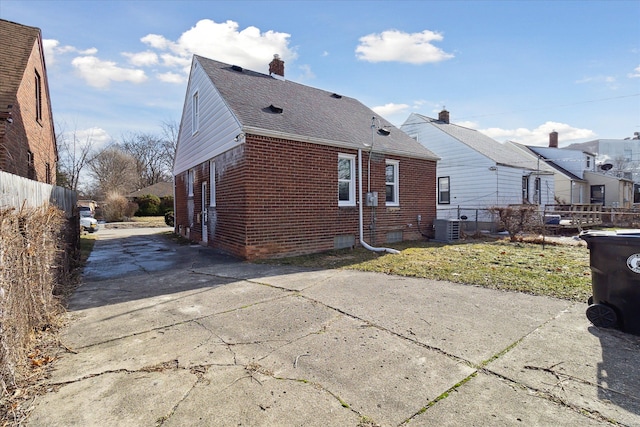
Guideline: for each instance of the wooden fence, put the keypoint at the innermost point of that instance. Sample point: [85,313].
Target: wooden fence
[18,192]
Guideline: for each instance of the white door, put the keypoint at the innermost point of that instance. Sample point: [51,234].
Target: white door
[204,216]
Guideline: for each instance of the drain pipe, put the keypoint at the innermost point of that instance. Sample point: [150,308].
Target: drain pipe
[362,242]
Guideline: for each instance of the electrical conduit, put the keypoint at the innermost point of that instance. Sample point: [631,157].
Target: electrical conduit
[362,242]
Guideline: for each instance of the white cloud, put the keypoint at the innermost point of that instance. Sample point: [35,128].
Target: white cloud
[390,109]
[249,48]
[609,81]
[394,45]
[635,73]
[540,135]
[306,73]
[142,59]
[97,137]
[52,49]
[100,74]
[172,77]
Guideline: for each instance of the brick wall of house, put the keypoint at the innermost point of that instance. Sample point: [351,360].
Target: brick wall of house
[277,197]
[26,133]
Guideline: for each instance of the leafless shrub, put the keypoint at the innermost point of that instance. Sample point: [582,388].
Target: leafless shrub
[518,219]
[33,249]
[118,208]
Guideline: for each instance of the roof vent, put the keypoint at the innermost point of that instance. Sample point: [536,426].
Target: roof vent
[236,68]
[335,95]
[276,109]
[384,131]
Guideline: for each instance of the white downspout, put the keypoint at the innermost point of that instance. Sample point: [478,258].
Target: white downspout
[362,242]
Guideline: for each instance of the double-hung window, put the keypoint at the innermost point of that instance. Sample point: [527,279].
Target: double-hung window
[392,183]
[38,98]
[525,189]
[212,183]
[190,179]
[444,191]
[346,180]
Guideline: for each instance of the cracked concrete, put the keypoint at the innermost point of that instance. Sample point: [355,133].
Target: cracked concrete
[169,335]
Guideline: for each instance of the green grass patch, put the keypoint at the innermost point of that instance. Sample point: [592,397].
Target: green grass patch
[560,271]
[87,240]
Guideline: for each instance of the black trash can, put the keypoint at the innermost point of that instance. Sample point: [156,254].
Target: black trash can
[615,279]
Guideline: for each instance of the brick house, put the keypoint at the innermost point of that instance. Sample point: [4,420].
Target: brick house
[27,135]
[266,167]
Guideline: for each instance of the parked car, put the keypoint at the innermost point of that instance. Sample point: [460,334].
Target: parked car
[87,222]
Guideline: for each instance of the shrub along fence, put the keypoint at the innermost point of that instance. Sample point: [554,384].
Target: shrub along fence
[39,246]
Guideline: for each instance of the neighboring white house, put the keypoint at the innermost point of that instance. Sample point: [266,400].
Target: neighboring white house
[476,171]
[567,165]
[623,156]
[578,179]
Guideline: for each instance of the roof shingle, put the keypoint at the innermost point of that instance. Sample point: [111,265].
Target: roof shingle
[306,111]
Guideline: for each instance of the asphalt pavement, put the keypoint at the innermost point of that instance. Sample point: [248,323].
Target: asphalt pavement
[162,334]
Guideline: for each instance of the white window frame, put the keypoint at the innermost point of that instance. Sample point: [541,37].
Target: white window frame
[190,181]
[352,181]
[195,112]
[395,184]
[441,181]
[212,183]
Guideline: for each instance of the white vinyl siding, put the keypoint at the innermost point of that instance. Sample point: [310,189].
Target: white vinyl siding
[195,112]
[392,183]
[215,118]
[346,180]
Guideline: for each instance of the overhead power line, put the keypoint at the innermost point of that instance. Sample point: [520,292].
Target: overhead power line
[550,106]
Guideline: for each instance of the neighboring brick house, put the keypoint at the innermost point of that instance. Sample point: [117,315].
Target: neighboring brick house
[266,167]
[27,136]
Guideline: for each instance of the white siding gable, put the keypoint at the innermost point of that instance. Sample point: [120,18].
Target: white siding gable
[573,161]
[476,181]
[218,127]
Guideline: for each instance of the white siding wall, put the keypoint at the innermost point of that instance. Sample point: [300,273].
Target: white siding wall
[472,183]
[572,160]
[218,126]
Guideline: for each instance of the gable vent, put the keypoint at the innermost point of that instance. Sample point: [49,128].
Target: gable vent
[237,68]
[335,95]
[276,109]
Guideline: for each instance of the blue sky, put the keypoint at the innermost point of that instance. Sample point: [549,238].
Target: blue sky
[515,70]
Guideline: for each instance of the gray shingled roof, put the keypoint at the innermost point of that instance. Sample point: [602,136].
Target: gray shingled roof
[483,144]
[307,111]
[18,41]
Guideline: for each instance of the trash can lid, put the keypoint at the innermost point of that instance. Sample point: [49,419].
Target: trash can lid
[612,235]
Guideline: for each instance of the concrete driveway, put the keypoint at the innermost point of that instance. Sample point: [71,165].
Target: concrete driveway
[169,335]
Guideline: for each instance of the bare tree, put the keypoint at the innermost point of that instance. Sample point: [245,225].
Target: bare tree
[114,171]
[170,131]
[74,154]
[153,154]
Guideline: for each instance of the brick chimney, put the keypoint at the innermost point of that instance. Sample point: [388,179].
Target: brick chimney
[553,139]
[443,116]
[276,66]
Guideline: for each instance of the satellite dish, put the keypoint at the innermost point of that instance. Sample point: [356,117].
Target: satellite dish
[606,166]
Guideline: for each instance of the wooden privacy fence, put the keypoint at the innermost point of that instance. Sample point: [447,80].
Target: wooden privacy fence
[18,192]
